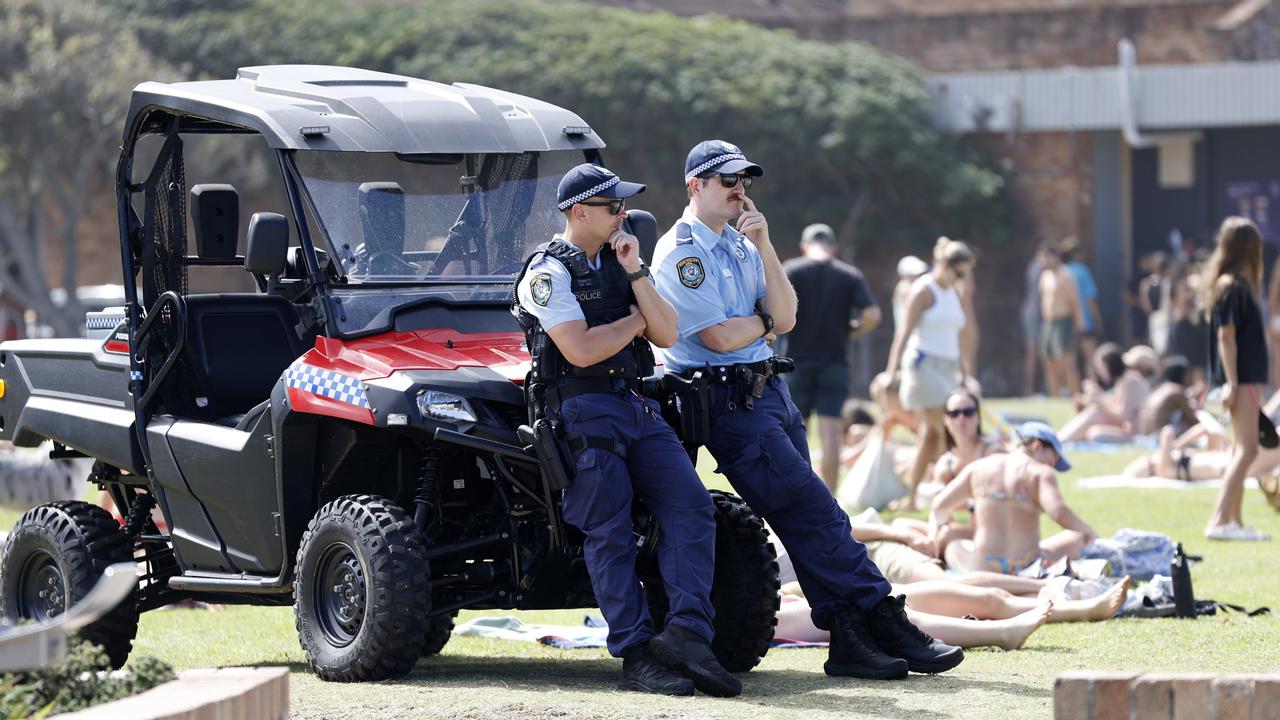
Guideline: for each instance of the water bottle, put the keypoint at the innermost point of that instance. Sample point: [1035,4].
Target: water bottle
[1184,598]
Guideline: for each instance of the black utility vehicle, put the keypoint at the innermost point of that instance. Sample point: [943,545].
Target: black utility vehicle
[351,438]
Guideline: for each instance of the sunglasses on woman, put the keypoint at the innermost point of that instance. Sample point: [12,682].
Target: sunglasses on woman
[732,180]
[967,412]
[615,206]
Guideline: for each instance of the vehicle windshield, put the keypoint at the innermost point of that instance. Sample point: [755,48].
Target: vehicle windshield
[428,218]
[423,221]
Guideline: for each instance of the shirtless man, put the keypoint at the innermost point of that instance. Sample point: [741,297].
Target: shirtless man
[1062,321]
[1009,492]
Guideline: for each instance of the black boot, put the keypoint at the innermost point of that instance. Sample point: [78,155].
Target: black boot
[894,632]
[687,653]
[853,652]
[641,672]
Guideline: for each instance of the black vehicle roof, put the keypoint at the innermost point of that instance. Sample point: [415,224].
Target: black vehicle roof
[360,110]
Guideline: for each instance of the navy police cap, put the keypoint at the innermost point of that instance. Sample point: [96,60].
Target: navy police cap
[720,156]
[588,181]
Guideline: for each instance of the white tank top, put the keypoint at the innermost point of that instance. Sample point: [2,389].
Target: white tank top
[938,332]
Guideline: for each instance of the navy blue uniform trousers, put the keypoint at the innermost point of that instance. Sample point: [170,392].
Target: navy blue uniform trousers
[765,455]
[599,503]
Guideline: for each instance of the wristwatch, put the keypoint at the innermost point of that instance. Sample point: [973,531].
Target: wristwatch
[767,320]
[643,272]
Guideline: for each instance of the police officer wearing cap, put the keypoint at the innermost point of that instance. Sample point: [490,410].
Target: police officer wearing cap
[589,311]
[732,296]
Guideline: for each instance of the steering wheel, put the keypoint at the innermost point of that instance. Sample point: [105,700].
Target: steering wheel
[390,262]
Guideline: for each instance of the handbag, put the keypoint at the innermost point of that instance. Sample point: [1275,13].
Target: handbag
[1267,436]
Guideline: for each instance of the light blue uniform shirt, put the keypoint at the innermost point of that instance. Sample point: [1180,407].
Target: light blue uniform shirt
[708,278]
[546,291]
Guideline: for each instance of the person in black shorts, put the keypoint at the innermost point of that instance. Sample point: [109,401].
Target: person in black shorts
[1237,361]
[835,304]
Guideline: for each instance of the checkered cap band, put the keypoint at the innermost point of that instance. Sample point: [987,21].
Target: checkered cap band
[326,383]
[712,163]
[589,193]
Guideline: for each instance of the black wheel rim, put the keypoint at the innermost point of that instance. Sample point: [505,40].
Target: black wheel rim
[42,590]
[340,594]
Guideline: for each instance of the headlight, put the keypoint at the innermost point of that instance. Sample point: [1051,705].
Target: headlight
[444,407]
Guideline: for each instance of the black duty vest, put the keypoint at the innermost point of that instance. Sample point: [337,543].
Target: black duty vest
[605,296]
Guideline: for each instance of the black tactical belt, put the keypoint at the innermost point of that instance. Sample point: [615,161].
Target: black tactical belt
[572,388]
[729,374]
[747,379]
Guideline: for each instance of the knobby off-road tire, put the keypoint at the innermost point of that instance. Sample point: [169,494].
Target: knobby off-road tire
[54,557]
[439,630]
[361,590]
[745,590]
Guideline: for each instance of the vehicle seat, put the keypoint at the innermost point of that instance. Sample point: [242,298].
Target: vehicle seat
[240,344]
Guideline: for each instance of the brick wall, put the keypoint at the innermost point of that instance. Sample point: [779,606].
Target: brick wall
[977,35]
[1052,188]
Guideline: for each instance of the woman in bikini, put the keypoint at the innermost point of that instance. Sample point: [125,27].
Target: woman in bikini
[1009,493]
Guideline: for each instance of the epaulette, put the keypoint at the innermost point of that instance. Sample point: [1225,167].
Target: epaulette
[684,233]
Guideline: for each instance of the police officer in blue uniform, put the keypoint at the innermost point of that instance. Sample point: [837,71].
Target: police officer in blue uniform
[732,296]
[590,311]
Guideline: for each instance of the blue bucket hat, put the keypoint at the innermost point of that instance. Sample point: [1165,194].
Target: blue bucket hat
[588,181]
[1044,433]
[720,156]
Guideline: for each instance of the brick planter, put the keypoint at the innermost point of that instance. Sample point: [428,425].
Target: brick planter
[230,693]
[1095,695]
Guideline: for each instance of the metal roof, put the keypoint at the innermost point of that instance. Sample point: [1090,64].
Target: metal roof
[361,110]
[1164,97]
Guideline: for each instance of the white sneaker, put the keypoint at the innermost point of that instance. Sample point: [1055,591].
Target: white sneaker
[1235,531]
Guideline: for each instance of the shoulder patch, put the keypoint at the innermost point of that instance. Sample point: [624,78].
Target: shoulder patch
[540,288]
[740,251]
[690,272]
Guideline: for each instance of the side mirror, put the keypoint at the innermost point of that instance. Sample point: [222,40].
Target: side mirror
[644,226]
[267,245]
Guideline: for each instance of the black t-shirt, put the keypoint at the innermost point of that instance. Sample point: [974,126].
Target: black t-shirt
[830,292]
[1189,337]
[1237,306]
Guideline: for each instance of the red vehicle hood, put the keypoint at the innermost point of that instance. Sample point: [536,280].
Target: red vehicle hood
[380,355]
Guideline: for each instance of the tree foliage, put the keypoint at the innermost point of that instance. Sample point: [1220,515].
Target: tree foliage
[843,131]
[64,90]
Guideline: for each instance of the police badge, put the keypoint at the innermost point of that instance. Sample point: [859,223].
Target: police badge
[742,254]
[540,288]
[690,272]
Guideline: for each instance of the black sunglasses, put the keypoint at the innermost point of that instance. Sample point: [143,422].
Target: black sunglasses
[732,180]
[967,412]
[615,206]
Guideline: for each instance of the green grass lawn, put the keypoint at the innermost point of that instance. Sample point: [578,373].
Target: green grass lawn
[476,678]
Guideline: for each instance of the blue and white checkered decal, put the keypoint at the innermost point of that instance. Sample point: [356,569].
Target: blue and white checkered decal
[326,383]
[102,321]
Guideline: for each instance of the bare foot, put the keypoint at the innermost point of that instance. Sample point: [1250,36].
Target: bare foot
[1018,628]
[1110,602]
[1101,607]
